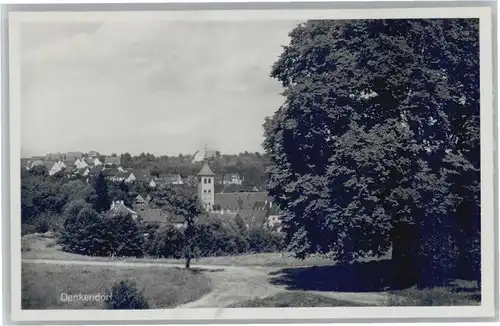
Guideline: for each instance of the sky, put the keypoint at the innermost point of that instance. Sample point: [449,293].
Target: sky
[157,86]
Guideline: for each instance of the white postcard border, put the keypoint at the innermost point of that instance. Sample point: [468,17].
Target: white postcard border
[487,308]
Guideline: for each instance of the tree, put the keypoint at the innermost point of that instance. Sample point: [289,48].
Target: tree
[82,230]
[180,201]
[101,200]
[122,236]
[369,149]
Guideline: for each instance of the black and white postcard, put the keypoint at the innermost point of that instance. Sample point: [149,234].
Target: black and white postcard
[242,165]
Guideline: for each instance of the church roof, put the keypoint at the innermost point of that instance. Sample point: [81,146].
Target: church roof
[205,170]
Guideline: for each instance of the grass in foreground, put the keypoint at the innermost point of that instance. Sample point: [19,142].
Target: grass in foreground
[295,299]
[457,293]
[42,285]
[38,247]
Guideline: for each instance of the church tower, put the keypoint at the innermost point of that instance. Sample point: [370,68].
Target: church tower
[206,186]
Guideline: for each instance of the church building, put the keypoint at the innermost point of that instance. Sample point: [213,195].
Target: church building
[206,193]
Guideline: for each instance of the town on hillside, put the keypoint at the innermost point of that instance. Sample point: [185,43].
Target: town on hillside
[223,195]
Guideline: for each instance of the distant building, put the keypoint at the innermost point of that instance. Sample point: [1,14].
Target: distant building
[200,156]
[81,163]
[96,162]
[112,160]
[54,156]
[206,191]
[174,179]
[274,222]
[93,154]
[118,207]
[73,156]
[56,167]
[232,178]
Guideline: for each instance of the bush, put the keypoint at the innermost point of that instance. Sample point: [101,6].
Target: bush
[125,295]
[27,229]
[47,222]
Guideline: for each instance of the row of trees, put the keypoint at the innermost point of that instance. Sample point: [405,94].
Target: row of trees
[377,144]
[44,197]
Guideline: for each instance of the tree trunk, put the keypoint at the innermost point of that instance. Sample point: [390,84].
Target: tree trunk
[404,256]
[188,262]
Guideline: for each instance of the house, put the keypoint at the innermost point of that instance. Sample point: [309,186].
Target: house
[148,198]
[200,156]
[81,163]
[96,162]
[112,160]
[109,173]
[94,171]
[25,163]
[93,154]
[232,178]
[252,218]
[141,176]
[36,163]
[156,183]
[120,176]
[191,180]
[118,207]
[273,222]
[149,214]
[73,156]
[131,178]
[174,179]
[54,156]
[84,172]
[139,200]
[57,167]
[242,200]
[69,162]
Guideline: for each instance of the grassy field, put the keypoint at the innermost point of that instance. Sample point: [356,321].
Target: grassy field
[42,285]
[39,247]
[294,299]
[457,293]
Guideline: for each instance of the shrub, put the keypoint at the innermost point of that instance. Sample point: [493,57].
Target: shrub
[125,295]
[27,229]
[47,222]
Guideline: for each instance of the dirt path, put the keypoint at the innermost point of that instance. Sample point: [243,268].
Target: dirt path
[230,284]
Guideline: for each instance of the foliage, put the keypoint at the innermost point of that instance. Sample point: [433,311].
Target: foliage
[180,202]
[125,295]
[82,231]
[166,242]
[89,233]
[377,142]
[100,201]
[122,237]
[40,194]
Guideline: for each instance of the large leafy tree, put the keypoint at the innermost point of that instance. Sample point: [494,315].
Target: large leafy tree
[181,202]
[377,143]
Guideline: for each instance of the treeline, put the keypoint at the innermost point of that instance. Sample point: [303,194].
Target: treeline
[251,166]
[214,237]
[44,197]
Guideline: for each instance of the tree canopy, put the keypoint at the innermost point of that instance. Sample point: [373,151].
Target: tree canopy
[377,142]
